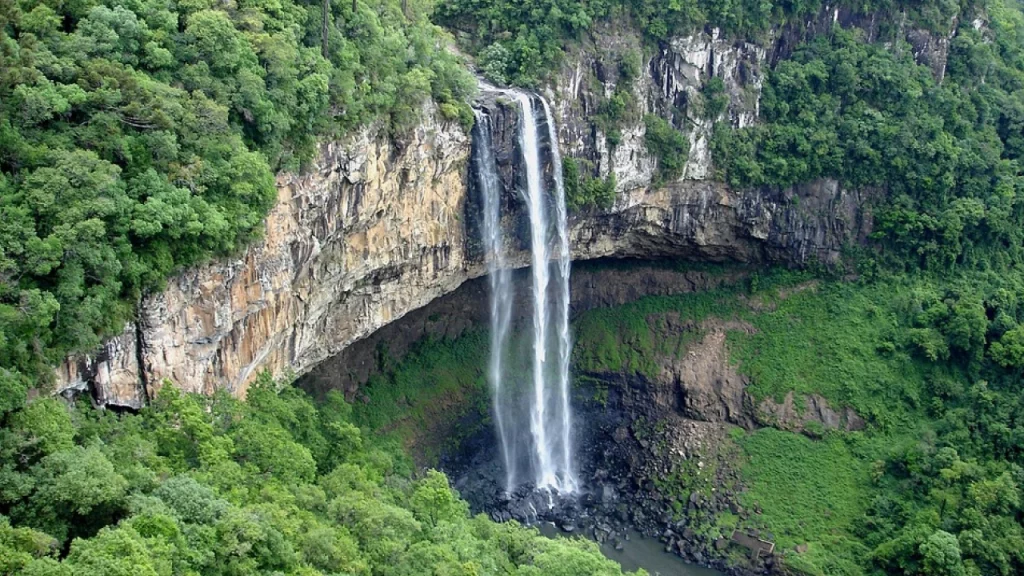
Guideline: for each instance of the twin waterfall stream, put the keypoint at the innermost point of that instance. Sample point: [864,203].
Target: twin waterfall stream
[532,415]
[521,196]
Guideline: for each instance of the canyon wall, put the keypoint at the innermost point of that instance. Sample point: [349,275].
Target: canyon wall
[378,228]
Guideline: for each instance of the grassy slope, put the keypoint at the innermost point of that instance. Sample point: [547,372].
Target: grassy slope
[427,392]
[834,340]
[820,337]
[826,338]
[810,491]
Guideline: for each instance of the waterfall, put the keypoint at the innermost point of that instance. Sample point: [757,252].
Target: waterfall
[545,405]
[569,482]
[544,469]
[501,288]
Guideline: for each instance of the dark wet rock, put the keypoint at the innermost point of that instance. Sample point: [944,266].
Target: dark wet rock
[609,494]
[625,497]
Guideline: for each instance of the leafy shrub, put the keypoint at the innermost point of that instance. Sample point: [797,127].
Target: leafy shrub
[583,191]
[715,99]
[669,145]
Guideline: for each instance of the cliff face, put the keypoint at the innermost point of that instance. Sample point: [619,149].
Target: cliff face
[377,228]
[373,230]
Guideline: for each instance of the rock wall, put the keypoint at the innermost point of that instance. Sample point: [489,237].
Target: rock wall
[371,231]
[376,228]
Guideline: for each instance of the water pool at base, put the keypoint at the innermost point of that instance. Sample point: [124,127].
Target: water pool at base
[642,552]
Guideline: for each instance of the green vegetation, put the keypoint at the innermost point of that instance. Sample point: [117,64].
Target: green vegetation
[948,154]
[271,486]
[614,111]
[585,191]
[427,392]
[823,118]
[809,491]
[854,362]
[714,97]
[521,41]
[923,360]
[139,137]
[631,337]
[669,145]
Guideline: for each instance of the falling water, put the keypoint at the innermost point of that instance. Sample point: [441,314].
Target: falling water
[544,469]
[501,287]
[546,405]
[569,482]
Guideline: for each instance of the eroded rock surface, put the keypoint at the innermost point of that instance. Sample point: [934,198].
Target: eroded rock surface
[814,416]
[372,231]
[706,385]
[600,283]
[376,229]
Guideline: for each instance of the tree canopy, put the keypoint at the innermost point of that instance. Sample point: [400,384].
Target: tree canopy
[141,136]
[273,485]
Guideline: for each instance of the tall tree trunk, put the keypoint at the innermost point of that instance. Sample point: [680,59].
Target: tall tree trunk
[405,9]
[353,7]
[323,30]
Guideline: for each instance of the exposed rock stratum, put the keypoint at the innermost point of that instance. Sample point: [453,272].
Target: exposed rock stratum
[377,228]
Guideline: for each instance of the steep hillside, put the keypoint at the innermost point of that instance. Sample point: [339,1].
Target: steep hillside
[859,427]
[201,200]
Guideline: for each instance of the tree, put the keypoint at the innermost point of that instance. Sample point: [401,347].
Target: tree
[120,551]
[1008,351]
[433,501]
[324,30]
[74,491]
[191,501]
[941,554]
[43,427]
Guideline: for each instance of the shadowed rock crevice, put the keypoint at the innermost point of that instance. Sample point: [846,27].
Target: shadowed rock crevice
[600,283]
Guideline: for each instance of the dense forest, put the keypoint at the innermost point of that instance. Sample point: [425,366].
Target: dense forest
[947,154]
[212,485]
[138,137]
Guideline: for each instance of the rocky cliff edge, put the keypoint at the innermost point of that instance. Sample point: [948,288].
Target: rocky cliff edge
[376,228]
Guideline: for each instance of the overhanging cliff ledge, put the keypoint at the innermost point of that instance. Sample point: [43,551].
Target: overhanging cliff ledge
[375,229]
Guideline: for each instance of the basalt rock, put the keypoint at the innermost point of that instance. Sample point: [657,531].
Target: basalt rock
[376,228]
[703,384]
[812,418]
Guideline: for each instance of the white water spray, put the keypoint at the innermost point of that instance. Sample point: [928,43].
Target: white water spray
[501,288]
[546,405]
[569,481]
[544,469]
